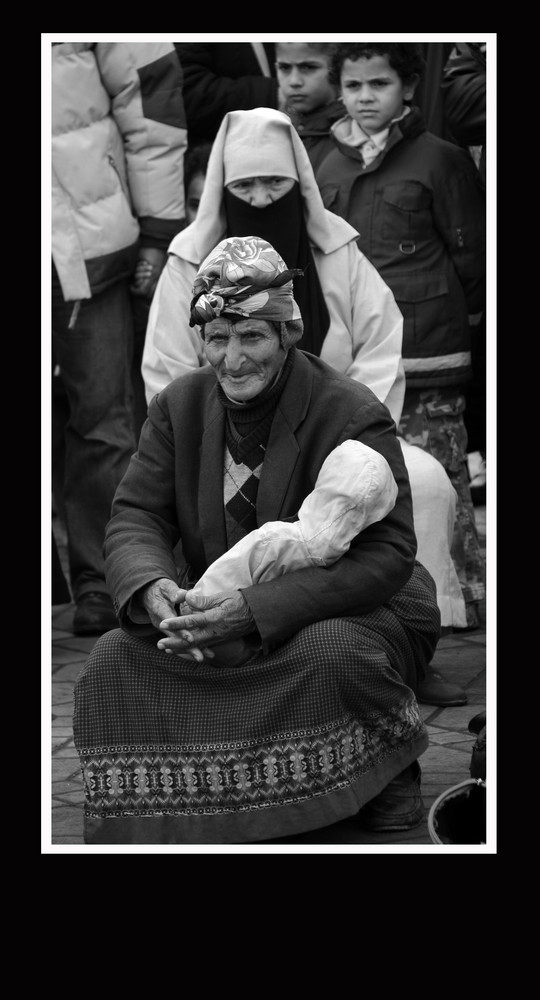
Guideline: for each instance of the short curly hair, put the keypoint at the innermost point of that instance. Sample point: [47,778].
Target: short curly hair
[405,58]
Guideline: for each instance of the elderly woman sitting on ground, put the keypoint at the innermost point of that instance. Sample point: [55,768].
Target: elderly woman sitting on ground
[316,720]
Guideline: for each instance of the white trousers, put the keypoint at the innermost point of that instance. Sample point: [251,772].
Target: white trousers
[434,510]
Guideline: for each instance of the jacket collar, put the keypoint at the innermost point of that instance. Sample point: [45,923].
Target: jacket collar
[408,127]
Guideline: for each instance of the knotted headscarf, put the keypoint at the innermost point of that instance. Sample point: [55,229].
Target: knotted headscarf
[244,276]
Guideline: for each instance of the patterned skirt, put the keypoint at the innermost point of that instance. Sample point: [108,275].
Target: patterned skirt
[178,753]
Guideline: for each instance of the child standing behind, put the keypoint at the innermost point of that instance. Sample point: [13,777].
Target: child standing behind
[418,205]
[310,100]
[195,164]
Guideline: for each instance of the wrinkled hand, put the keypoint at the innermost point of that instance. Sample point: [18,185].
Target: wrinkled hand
[161,599]
[205,622]
[149,267]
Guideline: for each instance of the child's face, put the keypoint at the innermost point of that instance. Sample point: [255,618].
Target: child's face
[372,92]
[302,75]
[193,197]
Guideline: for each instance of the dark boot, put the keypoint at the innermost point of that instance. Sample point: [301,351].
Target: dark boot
[94,614]
[398,807]
[435,690]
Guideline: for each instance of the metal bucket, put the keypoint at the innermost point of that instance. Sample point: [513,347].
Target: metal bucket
[458,816]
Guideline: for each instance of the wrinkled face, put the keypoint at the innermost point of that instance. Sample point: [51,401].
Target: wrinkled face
[373,93]
[261,191]
[246,355]
[302,74]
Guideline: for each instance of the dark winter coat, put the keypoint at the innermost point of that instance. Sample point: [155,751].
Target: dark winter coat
[463,91]
[314,129]
[420,211]
[221,77]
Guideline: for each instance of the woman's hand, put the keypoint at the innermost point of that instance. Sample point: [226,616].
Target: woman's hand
[206,621]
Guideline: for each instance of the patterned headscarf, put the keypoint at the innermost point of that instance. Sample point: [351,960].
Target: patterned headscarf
[244,276]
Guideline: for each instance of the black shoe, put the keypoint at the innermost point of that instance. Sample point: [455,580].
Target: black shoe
[94,614]
[477,723]
[434,690]
[398,807]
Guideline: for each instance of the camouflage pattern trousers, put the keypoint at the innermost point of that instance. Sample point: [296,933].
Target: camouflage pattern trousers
[433,419]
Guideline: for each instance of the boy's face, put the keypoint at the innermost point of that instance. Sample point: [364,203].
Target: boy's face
[372,92]
[302,74]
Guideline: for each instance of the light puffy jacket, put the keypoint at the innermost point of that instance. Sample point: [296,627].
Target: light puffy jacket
[118,142]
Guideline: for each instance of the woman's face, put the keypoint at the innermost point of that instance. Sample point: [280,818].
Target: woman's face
[261,191]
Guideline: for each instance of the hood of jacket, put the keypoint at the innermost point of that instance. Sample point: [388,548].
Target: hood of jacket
[326,231]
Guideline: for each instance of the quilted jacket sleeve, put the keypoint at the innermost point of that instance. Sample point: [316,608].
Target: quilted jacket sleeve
[144,81]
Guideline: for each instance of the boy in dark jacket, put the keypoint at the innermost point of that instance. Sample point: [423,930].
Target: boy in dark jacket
[418,204]
[308,97]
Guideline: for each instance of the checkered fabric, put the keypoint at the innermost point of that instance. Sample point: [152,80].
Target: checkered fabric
[240,487]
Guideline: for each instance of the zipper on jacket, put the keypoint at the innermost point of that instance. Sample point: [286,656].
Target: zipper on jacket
[112,162]
[460,240]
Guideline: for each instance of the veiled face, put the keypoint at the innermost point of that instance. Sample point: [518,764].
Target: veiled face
[261,191]
[246,355]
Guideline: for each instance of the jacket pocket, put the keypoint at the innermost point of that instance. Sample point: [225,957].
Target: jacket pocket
[406,214]
[409,196]
[423,299]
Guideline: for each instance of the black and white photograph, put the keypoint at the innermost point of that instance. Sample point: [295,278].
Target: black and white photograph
[269,444]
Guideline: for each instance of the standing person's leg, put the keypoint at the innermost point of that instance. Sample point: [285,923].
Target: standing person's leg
[59,419]
[140,309]
[476,414]
[434,511]
[93,357]
[434,419]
